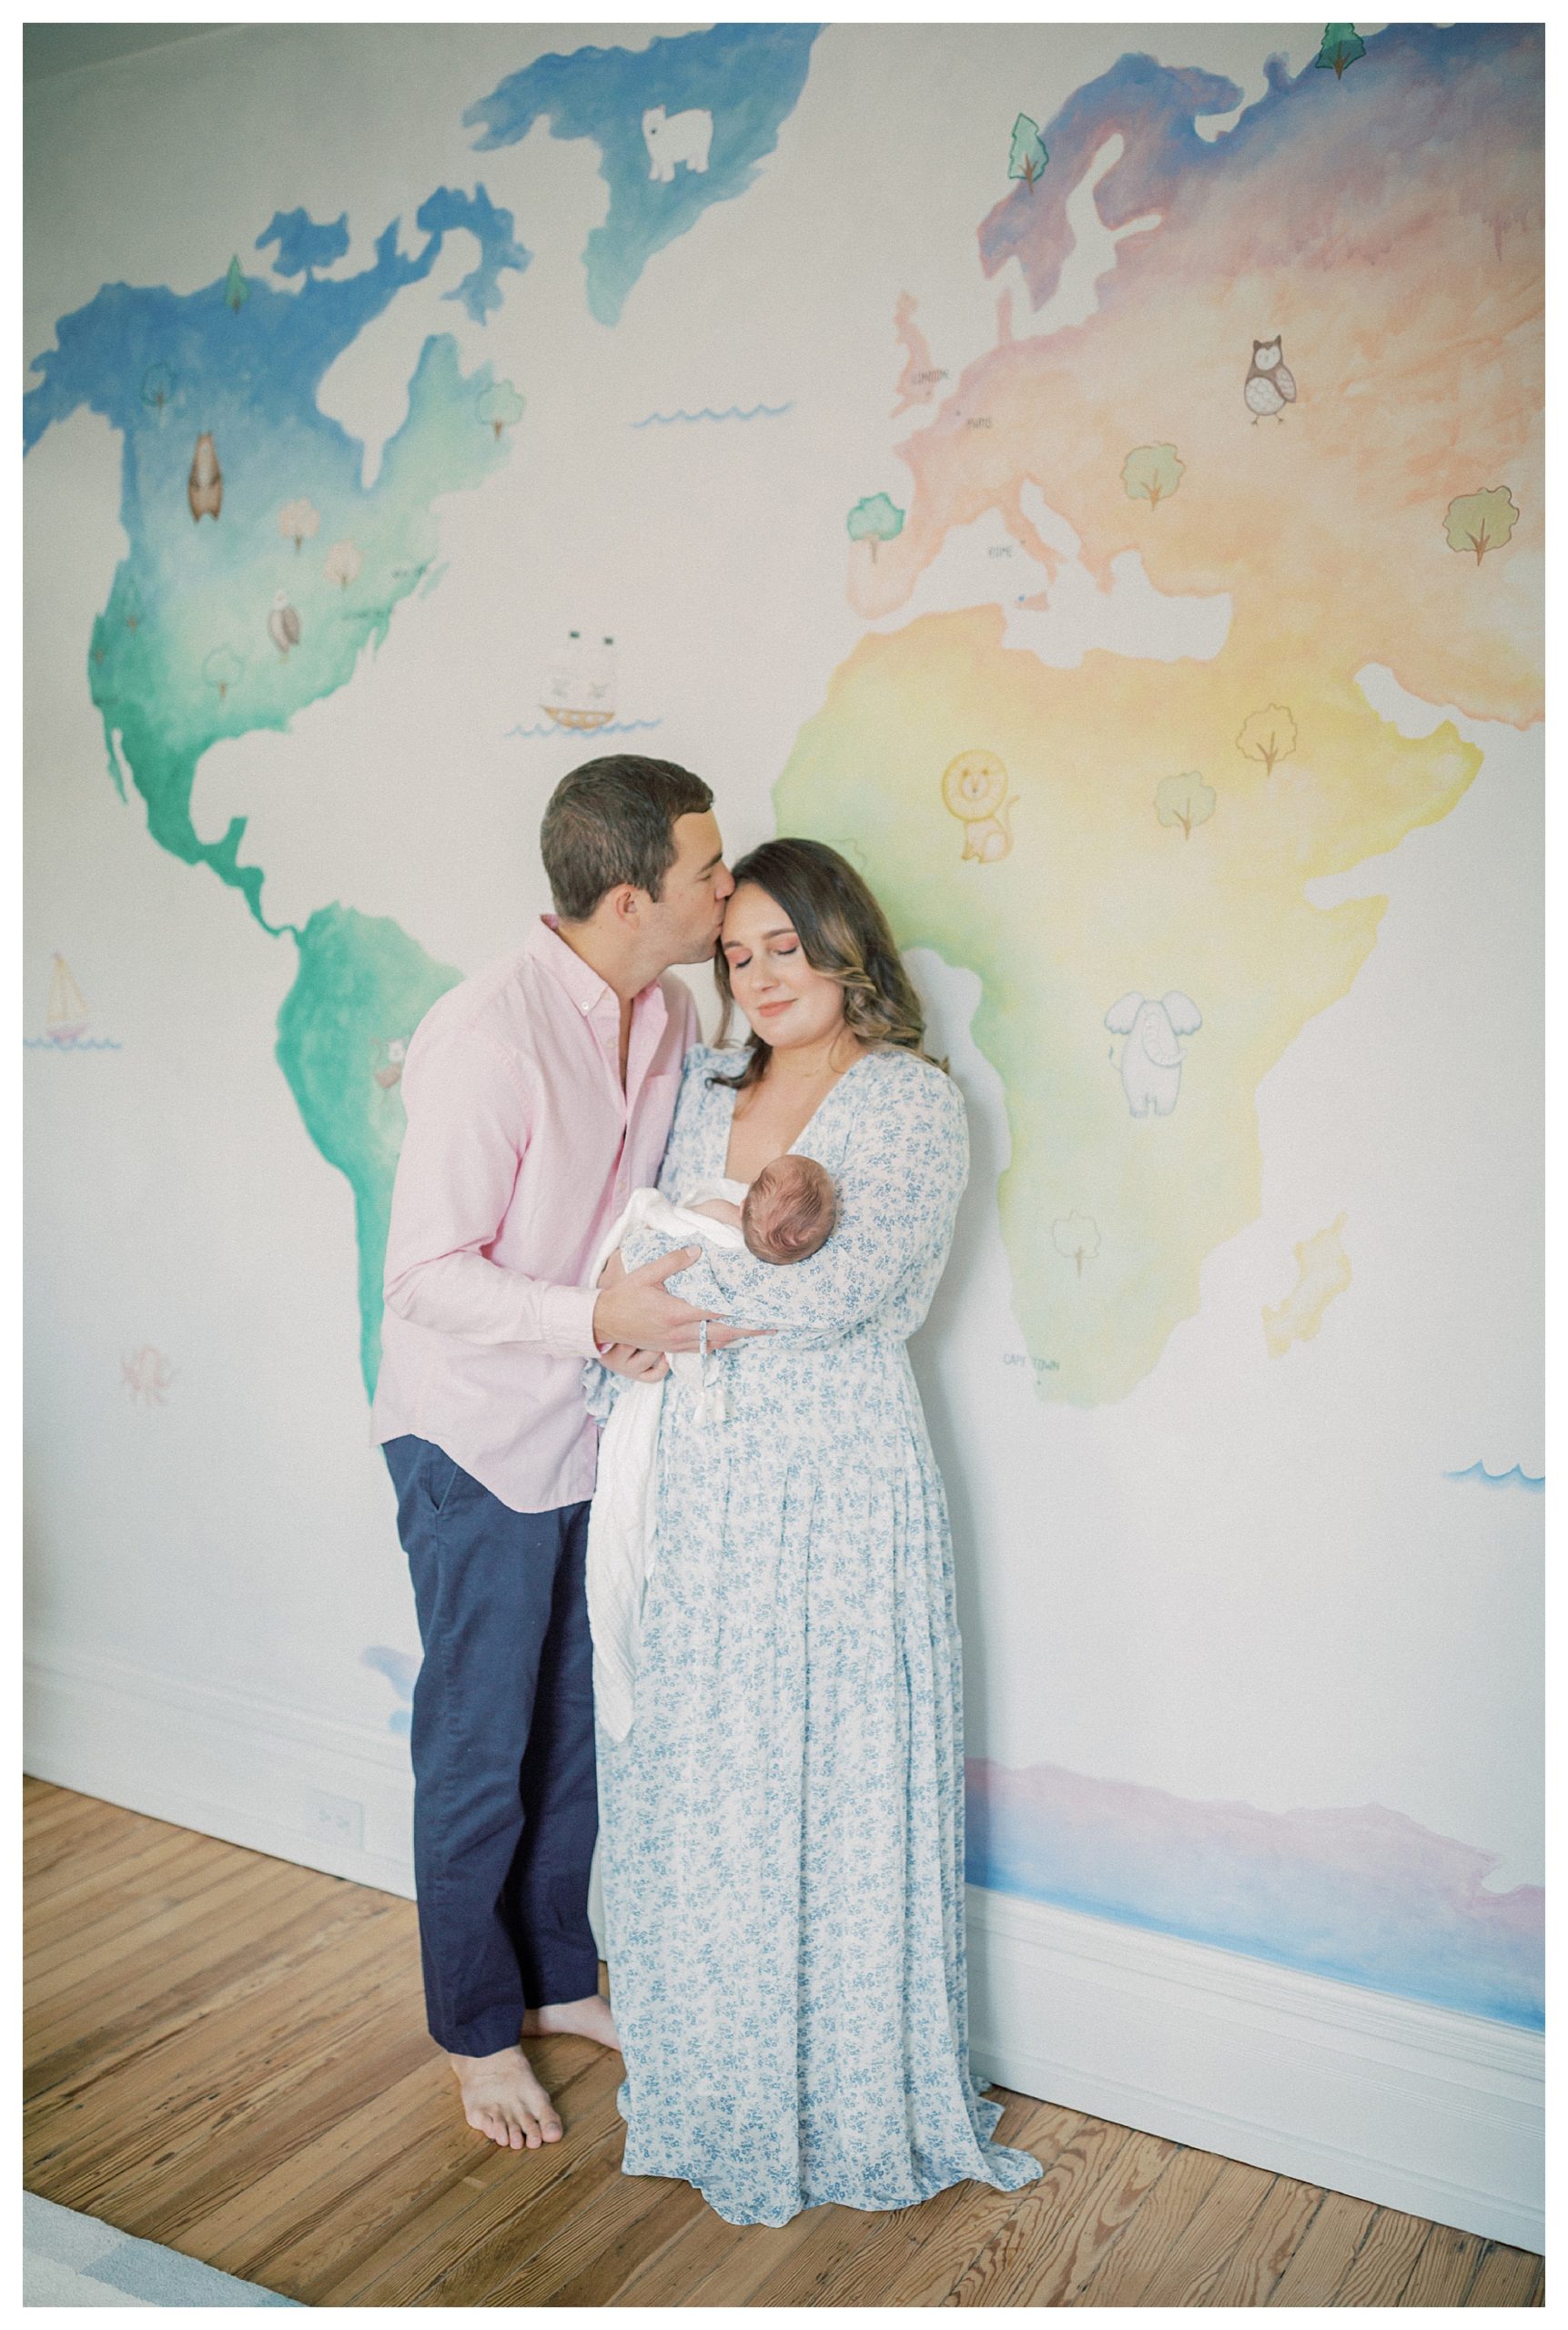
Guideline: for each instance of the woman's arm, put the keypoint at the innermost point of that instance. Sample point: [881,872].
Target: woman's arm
[898,1189]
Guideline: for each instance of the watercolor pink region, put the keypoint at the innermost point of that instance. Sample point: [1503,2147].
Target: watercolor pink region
[1361,1895]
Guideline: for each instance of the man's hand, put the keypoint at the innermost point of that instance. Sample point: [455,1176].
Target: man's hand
[642,1367]
[639,1310]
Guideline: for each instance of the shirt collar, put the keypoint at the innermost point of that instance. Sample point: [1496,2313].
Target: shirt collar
[581,982]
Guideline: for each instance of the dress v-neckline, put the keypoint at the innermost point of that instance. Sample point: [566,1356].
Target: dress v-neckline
[833,1090]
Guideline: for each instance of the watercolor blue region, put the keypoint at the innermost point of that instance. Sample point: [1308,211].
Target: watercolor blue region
[611,728]
[1156,108]
[302,245]
[278,348]
[1020,1863]
[75,1044]
[748,77]
[734,412]
[400,1667]
[1517,1477]
[72,2260]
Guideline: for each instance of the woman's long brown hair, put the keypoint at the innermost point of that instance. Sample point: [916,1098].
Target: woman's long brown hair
[844,934]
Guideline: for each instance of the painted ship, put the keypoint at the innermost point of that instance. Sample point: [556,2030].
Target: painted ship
[65,1020]
[580,686]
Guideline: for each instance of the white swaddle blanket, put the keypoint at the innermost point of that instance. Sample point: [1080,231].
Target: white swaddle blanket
[621,1521]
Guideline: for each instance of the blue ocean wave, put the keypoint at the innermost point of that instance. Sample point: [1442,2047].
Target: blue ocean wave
[1515,1477]
[611,728]
[75,1044]
[770,411]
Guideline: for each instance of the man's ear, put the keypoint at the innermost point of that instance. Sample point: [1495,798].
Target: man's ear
[626,904]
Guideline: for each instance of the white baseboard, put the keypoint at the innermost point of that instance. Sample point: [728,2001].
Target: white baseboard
[1413,2107]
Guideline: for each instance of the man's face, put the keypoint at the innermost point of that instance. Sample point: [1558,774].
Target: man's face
[687,916]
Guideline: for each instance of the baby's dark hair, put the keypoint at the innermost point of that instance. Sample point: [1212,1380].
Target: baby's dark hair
[790,1209]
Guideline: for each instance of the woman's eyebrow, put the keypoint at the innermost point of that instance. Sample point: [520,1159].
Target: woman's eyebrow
[785,930]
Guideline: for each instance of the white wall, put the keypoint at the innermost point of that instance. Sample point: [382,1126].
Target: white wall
[1253,1684]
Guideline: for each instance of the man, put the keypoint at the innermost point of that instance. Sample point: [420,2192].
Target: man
[538,1094]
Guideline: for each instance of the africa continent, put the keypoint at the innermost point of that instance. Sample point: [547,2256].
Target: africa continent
[1131,888]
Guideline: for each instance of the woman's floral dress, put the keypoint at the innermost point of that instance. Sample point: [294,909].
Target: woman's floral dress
[783,1826]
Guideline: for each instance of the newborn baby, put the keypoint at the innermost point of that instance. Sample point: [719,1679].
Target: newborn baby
[786,1214]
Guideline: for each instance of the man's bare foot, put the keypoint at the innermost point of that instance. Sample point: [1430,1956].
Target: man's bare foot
[587,2017]
[503,2099]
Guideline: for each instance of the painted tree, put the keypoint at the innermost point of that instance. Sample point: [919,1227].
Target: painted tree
[1481,522]
[299,521]
[1185,801]
[1268,736]
[875,519]
[1076,1235]
[236,290]
[1028,157]
[157,386]
[501,406]
[1342,46]
[344,560]
[221,670]
[1151,473]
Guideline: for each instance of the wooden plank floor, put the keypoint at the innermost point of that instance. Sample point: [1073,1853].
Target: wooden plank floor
[227,2055]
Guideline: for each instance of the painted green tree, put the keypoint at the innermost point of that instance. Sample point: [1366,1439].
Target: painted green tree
[157,386]
[1481,522]
[1028,157]
[875,519]
[501,407]
[1151,473]
[1341,46]
[1185,801]
[221,670]
[236,290]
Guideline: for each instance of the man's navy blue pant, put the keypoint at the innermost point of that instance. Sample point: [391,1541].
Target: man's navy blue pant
[505,1797]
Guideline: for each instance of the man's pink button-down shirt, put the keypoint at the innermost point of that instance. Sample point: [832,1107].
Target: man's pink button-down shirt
[521,1149]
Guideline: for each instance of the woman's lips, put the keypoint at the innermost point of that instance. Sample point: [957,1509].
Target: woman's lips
[768,1008]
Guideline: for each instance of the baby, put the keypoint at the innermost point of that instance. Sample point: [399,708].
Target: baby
[788,1212]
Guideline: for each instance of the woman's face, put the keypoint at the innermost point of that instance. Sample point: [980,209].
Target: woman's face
[786,1002]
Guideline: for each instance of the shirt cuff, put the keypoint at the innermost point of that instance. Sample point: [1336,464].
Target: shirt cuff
[566,1318]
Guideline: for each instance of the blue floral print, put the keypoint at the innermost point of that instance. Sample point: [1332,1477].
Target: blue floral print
[782,1838]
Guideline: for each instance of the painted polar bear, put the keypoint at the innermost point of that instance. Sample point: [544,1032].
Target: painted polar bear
[1151,1057]
[677,138]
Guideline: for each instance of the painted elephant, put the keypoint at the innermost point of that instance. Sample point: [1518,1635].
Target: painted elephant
[676,137]
[1151,1057]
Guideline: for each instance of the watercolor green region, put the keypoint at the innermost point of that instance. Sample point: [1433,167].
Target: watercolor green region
[362,984]
[747,79]
[259,569]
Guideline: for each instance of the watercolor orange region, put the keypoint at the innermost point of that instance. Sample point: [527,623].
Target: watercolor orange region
[1100,900]
[1396,253]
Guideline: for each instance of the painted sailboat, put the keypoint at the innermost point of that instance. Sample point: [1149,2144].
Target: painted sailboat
[66,1019]
[580,686]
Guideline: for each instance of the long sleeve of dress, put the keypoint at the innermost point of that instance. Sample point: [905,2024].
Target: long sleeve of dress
[904,1166]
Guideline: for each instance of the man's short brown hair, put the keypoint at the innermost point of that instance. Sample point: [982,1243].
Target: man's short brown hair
[612,821]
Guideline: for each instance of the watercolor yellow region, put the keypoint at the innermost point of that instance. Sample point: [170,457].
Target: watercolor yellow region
[1101,901]
[1322,1271]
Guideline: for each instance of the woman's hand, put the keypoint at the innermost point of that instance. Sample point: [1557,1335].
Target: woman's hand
[641,1366]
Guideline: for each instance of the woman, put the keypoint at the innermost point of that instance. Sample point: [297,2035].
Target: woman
[782,1827]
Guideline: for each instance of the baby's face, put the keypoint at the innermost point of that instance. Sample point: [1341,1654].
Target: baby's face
[790,1210]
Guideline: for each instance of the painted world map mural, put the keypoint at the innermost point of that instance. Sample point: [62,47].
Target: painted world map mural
[1138,615]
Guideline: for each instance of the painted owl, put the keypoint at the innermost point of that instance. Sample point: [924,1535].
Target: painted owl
[1270,385]
[283,623]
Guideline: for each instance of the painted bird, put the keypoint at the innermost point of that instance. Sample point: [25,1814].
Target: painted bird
[283,623]
[1270,385]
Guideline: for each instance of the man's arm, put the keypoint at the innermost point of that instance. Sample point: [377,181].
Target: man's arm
[468,1129]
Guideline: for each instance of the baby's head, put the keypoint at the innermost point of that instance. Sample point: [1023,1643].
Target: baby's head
[790,1210]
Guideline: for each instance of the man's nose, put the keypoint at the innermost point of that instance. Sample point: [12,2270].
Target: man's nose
[724,883]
